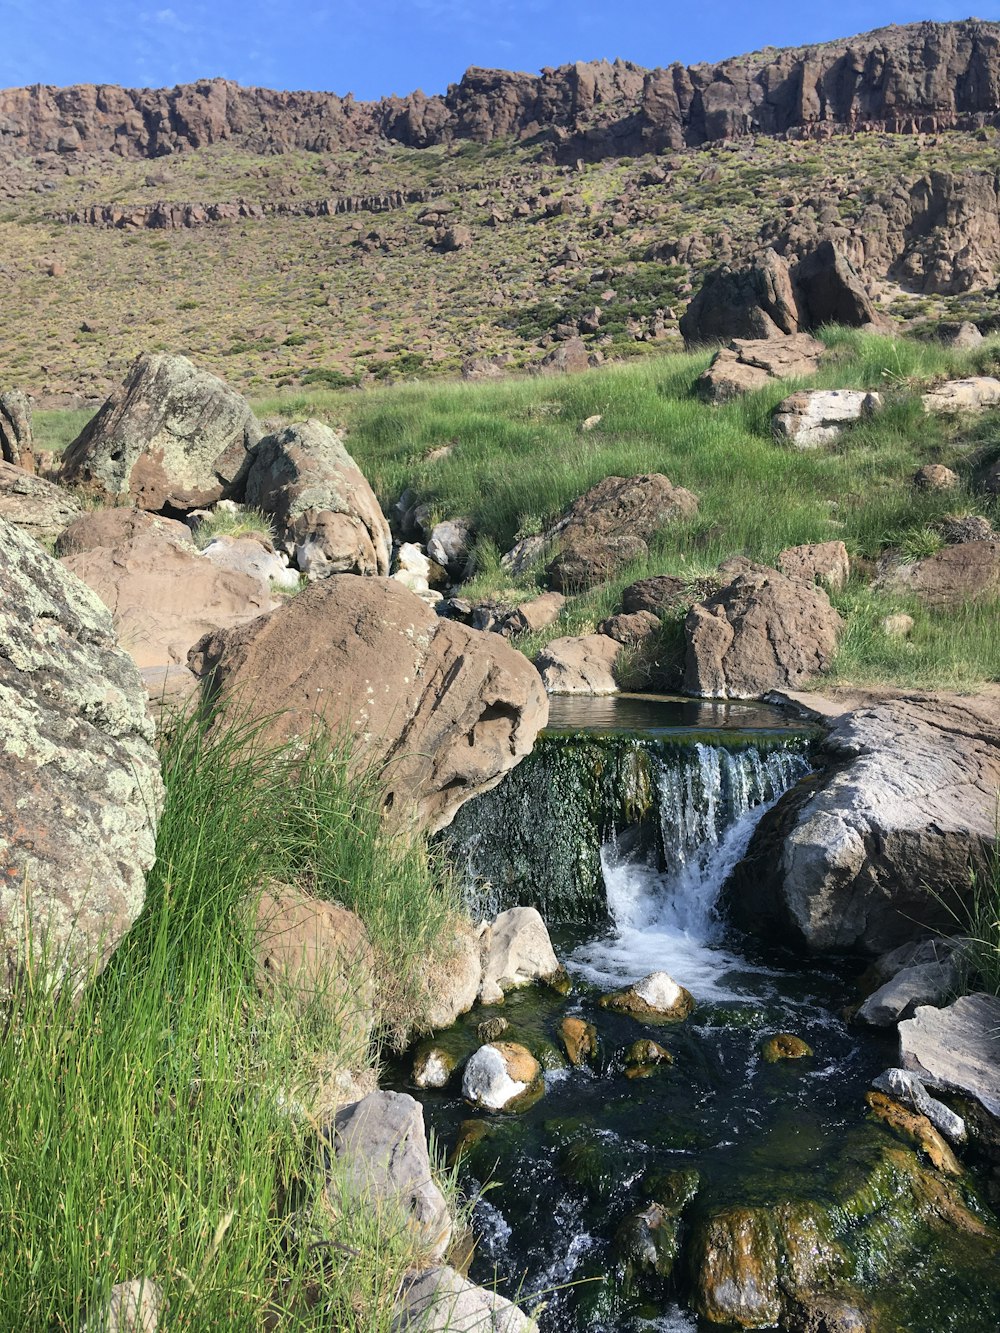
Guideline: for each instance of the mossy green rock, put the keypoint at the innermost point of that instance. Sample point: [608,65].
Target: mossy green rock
[785,1046]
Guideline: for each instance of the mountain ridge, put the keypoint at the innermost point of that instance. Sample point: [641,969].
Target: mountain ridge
[920,77]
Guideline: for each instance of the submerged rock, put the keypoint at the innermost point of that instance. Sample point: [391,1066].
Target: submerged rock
[785,1046]
[433,1066]
[579,1039]
[906,1087]
[643,1056]
[916,1127]
[657,997]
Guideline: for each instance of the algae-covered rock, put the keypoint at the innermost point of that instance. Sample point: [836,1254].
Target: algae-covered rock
[785,1046]
[579,1039]
[916,1127]
[646,1244]
[643,1056]
[656,998]
[492,1028]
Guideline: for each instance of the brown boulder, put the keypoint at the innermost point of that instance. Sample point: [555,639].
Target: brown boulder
[631,628]
[530,617]
[764,631]
[754,302]
[951,576]
[663,592]
[935,477]
[440,710]
[748,364]
[829,290]
[162,593]
[37,507]
[313,952]
[325,512]
[610,526]
[172,436]
[817,562]
[569,358]
[583,665]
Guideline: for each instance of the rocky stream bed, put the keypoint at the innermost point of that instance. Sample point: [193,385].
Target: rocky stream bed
[687,1175]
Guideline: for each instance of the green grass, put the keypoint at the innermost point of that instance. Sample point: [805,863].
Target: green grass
[149,1130]
[222,523]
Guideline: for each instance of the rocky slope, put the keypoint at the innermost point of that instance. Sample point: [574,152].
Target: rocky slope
[919,77]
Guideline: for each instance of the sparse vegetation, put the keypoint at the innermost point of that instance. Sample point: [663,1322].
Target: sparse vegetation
[225,523]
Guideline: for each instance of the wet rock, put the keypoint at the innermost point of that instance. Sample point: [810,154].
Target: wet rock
[38,507]
[957,396]
[814,417]
[646,1243]
[441,711]
[956,1049]
[657,998]
[643,1056]
[761,632]
[502,1076]
[817,562]
[381,1163]
[907,799]
[80,787]
[133,1307]
[442,1301]
[915,1127]
[492,1028]
[325,513]
[582,665]
[171,435]
[950,577]
[516,951]
[784,1046]
[925,983]
[906,1087]
[579,1039]
[433,1066]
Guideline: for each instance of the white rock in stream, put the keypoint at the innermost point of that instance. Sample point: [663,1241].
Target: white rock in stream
[656,996]
[516,951]
[498,1074]
[659,990]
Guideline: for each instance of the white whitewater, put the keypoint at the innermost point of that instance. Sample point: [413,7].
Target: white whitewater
[710,804]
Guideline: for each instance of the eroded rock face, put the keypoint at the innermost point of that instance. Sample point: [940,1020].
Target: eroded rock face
[80,788]
[15,430]
[37,507]
[382,1162]
[172,436]
[325,511]
[440,710]
[763,631]
[908,799]
[817,562]
[163,594]
[755,302]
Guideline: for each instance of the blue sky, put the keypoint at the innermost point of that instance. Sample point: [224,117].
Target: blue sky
[376,47]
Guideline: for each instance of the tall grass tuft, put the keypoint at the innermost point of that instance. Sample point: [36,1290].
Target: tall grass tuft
[150,1130]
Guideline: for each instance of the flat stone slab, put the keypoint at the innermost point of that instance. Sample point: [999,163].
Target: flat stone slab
[956,1049]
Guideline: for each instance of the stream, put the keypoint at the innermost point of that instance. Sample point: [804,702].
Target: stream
[622,827]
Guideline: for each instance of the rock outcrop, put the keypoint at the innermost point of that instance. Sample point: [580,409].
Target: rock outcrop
[323,508]
[171,437]
[80,787]
[15,430]
[817,562]
[956,1049]
[748,364]
[163,594]
[763,631]
[440,710]
[879,847]
[37,507]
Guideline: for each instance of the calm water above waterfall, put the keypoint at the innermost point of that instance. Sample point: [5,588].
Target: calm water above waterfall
[642,809]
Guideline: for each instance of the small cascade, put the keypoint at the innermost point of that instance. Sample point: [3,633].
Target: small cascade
[664,912]
[558,831]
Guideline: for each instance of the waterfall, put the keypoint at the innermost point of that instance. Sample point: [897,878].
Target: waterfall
[664,914]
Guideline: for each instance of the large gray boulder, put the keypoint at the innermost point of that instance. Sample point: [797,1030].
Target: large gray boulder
[877,849]
[380,1147]
[171,437]
[37,507]
[763,631]
[754,302]
[442,1301]
[80,787]
[956,1049]
[323,508]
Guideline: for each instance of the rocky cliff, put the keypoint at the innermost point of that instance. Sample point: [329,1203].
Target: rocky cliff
[919,77]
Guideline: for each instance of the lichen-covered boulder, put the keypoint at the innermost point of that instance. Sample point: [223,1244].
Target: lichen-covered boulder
[172,436]
[80,788]
[322,507]
[36,506]
[440,711]
[813,417]
[15,430]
